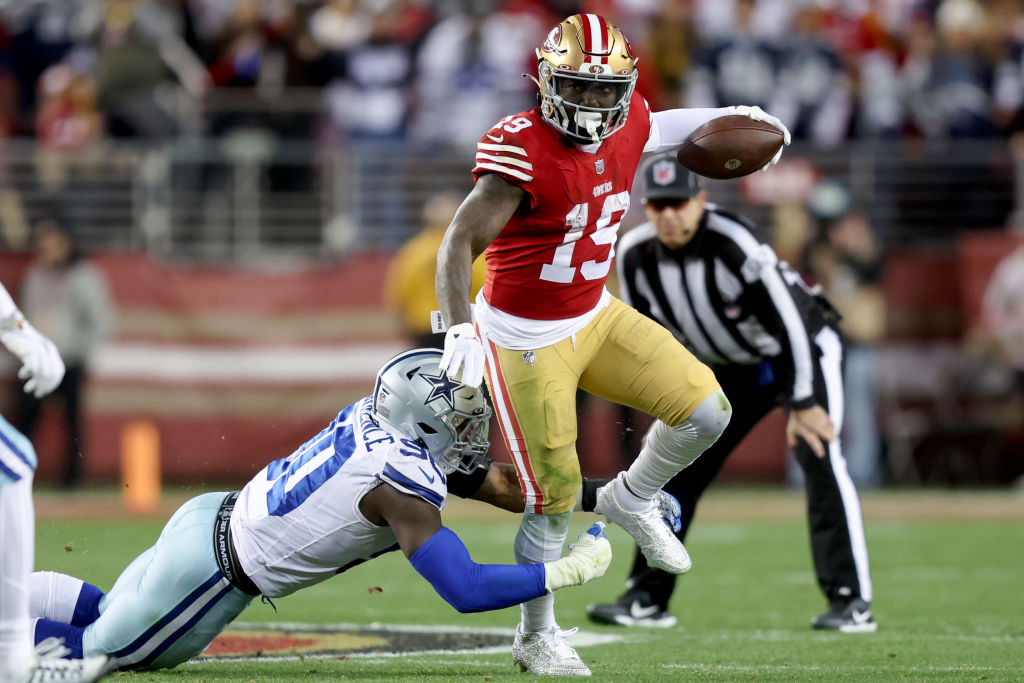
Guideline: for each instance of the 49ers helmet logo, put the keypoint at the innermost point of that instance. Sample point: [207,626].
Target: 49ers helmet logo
[553,39]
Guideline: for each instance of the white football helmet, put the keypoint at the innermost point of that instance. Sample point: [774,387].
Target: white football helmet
[414,397]
[585,51]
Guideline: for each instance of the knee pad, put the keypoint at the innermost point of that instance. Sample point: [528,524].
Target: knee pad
[684,442]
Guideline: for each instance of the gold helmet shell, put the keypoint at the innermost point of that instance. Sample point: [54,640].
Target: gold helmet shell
[585,48]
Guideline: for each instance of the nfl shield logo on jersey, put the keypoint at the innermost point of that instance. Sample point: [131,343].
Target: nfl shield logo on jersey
[664,171]
[599,166]
[529,358]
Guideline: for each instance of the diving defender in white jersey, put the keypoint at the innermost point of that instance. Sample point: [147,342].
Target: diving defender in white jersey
[373,481]
[42,369]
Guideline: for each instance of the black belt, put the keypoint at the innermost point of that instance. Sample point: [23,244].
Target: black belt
[224,549]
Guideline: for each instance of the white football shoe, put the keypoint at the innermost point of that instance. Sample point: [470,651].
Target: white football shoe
[50,668]
[546,653]
[648,528]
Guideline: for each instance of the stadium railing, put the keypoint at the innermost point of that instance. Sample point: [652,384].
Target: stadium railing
[250,195]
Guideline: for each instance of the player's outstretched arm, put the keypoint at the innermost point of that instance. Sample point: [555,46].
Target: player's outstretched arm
[671,127]
[480,218]
[499,486]
[443,560]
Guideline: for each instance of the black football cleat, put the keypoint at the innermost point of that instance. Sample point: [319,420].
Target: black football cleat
[852,616]
[632,609]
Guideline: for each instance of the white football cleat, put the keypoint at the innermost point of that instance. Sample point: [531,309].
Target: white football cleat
[655,540]
[546,653]
[50,668]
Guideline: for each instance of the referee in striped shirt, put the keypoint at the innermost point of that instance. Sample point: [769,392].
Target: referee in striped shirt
[709,277]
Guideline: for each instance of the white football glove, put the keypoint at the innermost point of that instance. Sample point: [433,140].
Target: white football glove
[463,350]
[758,114]
[42,367]
[588,559]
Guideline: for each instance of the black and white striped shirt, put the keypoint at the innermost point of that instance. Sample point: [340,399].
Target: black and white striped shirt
[727,297]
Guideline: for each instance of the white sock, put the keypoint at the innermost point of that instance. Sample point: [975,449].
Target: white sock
[668,450]
[17,539]
[629,501]
[540,539]
[53,596]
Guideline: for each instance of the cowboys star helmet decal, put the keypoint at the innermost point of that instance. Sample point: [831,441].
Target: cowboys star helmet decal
[441,387]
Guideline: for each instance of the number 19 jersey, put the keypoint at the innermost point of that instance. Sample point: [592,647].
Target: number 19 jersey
[552,258]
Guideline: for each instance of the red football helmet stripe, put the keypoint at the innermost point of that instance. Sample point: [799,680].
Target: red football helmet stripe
[592,36]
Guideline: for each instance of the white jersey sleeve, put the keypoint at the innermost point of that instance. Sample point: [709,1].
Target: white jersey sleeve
[671,127]
[297,522]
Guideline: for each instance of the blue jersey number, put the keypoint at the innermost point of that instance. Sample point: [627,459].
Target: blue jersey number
[306,470]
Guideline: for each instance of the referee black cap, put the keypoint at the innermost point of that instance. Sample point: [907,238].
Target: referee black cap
[666,178]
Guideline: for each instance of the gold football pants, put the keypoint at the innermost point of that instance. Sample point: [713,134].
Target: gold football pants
[621,356]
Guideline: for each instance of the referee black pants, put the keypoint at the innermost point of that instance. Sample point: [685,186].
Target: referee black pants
[833,510]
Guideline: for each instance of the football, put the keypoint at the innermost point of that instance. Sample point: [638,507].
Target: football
[730,147]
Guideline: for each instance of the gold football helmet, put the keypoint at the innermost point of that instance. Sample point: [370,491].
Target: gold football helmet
[586,75]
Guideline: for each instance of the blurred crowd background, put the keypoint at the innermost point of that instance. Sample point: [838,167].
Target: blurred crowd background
[239,174]
[75,72]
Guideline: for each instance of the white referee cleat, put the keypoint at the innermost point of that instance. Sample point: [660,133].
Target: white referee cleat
[655,540]
[48,666]
[546,653]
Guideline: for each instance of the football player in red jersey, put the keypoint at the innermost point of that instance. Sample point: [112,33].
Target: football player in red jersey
[552,184]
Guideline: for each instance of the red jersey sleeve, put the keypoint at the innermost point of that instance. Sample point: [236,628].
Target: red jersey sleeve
[505,150]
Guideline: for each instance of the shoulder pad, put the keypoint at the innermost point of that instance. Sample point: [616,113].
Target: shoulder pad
[411,470]
[504,150]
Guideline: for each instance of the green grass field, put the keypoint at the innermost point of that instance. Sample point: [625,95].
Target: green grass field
[948,573]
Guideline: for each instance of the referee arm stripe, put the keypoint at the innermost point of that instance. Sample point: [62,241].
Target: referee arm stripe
[799,344]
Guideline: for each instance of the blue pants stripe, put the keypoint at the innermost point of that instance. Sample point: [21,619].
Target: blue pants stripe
[9,473]
[185,628]
[168,617]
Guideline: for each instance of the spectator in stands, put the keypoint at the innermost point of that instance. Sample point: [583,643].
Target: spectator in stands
[40,34]
[813,94]
[865,39]
[68,300]
[240,47]
[409,284]
[947,84]
[471,63]
[670,43]
[67,124]
[140,58]
[1006,41]
[370,49]
[738,69]
[846,260]
[717,20]
[1002,314]
[67,120]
